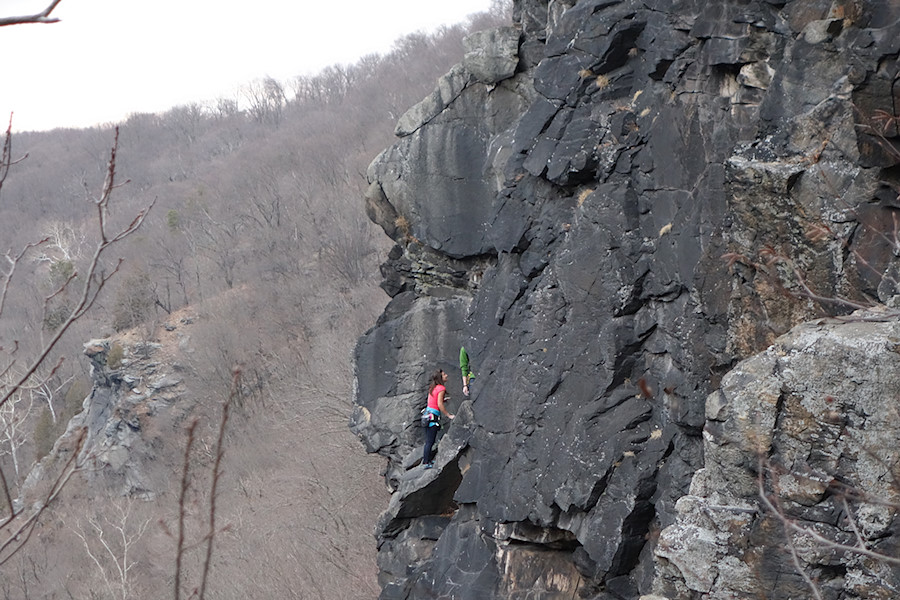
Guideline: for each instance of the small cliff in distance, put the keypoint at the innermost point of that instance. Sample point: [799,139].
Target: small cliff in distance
[611,204]
[144,450]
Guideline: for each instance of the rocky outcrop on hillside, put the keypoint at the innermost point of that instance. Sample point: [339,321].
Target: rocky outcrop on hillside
[134,408]
[611,204]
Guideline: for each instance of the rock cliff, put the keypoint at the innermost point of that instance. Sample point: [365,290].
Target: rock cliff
[135,408]
[611,203]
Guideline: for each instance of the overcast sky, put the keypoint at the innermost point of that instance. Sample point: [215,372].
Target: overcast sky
[106,59]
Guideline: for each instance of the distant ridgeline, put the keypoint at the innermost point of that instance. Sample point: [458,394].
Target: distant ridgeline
[618,208]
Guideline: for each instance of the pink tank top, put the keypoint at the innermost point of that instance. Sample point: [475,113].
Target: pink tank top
[433,396]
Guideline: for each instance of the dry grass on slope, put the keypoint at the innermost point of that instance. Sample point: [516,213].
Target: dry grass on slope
[297,496]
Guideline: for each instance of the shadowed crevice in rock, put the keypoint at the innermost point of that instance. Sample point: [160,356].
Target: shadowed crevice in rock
[433,494]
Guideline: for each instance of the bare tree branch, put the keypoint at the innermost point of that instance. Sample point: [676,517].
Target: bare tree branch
[26,380]
[95,278]
[796,560]
[817,537]
[182,507]
[6,160]
[41,17]
[17,538]
[217,472]
[199,592]
[13,263]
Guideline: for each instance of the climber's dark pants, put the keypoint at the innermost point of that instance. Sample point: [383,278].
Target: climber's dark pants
[430,437]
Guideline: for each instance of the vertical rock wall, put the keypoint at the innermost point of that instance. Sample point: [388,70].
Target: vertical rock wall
[606,203]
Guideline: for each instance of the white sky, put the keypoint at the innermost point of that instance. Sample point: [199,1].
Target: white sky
[106,59]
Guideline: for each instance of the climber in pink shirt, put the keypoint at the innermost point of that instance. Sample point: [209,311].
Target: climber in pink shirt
[433,412]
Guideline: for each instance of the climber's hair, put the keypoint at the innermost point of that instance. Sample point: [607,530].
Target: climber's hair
[437,378]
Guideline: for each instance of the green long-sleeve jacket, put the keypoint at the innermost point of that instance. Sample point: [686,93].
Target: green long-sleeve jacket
[464,369]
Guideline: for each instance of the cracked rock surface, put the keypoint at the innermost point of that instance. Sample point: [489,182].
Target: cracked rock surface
[652,194]
[806,424]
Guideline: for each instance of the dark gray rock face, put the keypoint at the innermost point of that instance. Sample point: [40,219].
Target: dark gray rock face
[608,230]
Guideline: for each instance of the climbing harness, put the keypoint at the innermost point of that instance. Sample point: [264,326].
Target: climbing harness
[431,417]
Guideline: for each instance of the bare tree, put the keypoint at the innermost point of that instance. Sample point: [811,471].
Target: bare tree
[173,263]
[225,107]
[49,388]
[14,416]
[65,242]
[207,540]
[347,247]
[266,100]
[186,121]
[135,301]
[109,541]
[16,522]
[219,240]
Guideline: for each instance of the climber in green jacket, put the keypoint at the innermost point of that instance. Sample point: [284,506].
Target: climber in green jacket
[467,374]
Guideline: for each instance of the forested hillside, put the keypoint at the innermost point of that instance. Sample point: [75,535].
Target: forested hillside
[255,234]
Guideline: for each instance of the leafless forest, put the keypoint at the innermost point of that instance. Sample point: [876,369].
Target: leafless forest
[256,229]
